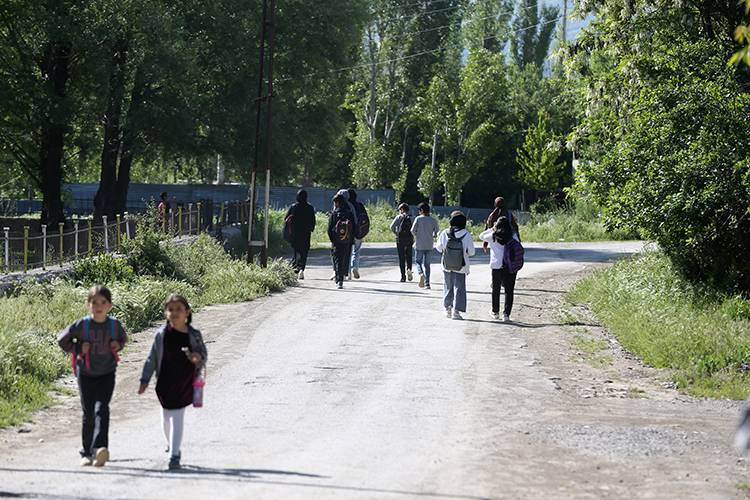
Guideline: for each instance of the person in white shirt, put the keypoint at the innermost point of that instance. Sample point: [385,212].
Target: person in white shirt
[457,246]
[496,237]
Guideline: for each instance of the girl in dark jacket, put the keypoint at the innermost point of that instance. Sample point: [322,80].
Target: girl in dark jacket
[341,227]
[302,225]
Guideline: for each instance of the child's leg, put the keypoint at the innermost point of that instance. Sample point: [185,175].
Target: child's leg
[408,252]
[418,257]
[509,283]
[459,281]
[105,386]
[165,424]
[427,256]
[448,289]
[86,390]
[496,283]
[176,420]
[401,259]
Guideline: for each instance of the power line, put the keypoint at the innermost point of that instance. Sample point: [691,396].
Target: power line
[424,52]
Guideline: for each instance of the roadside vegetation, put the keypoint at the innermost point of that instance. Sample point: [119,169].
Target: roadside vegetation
[702,335]
[151,268]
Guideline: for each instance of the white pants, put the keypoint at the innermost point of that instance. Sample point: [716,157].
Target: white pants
[173,422]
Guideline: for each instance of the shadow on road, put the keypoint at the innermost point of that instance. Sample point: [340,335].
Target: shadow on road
[207,473]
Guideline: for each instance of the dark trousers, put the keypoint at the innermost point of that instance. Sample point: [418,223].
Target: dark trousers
[300,257]
[340,255]
[404,256]
[348,263]
[96,393]
[501,277]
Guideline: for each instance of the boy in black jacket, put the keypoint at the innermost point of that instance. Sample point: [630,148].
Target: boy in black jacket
[341,229]
[302,224]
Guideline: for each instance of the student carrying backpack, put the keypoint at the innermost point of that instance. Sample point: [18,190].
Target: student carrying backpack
[298,226]
[506,258]
[456,245]
[362,229]
[401,227]
[341,229]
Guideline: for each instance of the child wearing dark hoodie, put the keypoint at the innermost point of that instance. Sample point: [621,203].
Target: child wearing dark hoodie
[401,227]
[341,227]
[303,224]
[454,287]
[497,212]
[94,342]
[177,355]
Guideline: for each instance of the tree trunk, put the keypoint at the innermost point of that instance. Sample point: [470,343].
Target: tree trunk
[55,68]
[105,200]
[129,139]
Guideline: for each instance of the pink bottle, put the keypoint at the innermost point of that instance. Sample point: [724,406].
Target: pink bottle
[198,384]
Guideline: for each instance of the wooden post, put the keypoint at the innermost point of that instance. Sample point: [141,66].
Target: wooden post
[190,218]
[61,227]
[119,221]
[7,249]
[25,248]
[75,237]
[106,233]
[127,224]
[199,217]
[90,245]
[44,246]
[179,221]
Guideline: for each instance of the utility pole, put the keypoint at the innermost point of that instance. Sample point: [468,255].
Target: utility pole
[266,33]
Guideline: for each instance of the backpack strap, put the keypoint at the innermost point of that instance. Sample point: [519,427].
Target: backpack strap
[86,338]
[113,336]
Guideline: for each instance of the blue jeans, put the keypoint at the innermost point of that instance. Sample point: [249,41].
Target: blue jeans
[454,290]
[355,253]
[422,258]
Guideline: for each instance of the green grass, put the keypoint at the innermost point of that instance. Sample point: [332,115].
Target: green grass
[31,319]
[702,336]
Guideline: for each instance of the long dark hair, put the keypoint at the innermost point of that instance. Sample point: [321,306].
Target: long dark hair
[182,300]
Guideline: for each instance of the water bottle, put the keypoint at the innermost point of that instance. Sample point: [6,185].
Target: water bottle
[198,383]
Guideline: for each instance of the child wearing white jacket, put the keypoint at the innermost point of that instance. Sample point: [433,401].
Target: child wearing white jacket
[454,287]
[497,236]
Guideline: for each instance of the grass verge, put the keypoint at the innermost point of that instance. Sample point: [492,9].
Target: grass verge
[702,336]
[32,317]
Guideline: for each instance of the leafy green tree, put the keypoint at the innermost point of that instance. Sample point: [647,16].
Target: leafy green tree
[533,29]
[539,165]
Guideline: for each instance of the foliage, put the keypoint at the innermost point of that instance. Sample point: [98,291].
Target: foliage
[103,268]
[669,322]
[675,165]
[533,29]
[147,253]
[538,158]
[579,221]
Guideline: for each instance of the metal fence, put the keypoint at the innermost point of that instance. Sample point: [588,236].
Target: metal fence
[80,237]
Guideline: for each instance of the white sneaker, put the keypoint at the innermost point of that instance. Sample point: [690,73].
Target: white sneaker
[457,315]
[421,281]
[301,275]
[427,287]
[409,275]
[448,312]
[506,318]
[101,457]
[494,315]
[349,277]
[355,272]
[340,285]
[333,277]
[86,461]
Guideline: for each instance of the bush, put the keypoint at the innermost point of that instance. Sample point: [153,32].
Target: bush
[147,253]
[104,268]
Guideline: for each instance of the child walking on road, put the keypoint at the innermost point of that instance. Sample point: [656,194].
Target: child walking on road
[341,233]
[497,237]
[425,230]
[94,343]
[456,245]
[177,356]
[401,227]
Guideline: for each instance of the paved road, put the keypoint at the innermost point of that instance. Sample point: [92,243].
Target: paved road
[370,392]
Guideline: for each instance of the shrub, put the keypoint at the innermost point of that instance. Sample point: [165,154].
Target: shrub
[147,254]
[104,268]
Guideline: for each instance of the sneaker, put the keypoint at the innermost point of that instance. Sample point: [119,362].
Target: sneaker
[448,312]
[421,281]
[409,275]
[403,279]
[494,315]
[506,318]
[340,285]
[85,461]
[301,275]
[333,277]
[349,276]
[456,315]
[355,272]
[102,455]
[174,462]
[427,287]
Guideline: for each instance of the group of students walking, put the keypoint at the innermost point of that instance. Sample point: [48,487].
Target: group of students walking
[177,358]
[416,240]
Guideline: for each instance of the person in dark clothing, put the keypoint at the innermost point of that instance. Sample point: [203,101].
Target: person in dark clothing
[401,227]
[497,212]
[298,230]
[177,356]
[94,342]
[341,227]
[363,227]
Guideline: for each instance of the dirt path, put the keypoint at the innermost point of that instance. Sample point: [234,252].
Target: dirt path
[371,392]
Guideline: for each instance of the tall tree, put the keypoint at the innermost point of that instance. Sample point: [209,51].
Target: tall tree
[533,29]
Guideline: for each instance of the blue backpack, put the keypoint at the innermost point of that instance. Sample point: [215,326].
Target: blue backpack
[75,357]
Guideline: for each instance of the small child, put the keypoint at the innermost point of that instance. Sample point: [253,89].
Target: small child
[94,342]
[401,227]
[177,356]
[497,237]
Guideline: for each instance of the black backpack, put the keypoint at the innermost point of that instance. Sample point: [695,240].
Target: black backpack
[363,221]
[404,228]
[343,228]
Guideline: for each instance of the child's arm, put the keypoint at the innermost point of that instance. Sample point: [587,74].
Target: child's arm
[148,367]
[121,338]
[470,250]
[199,348]
[486,235]
[69,337]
